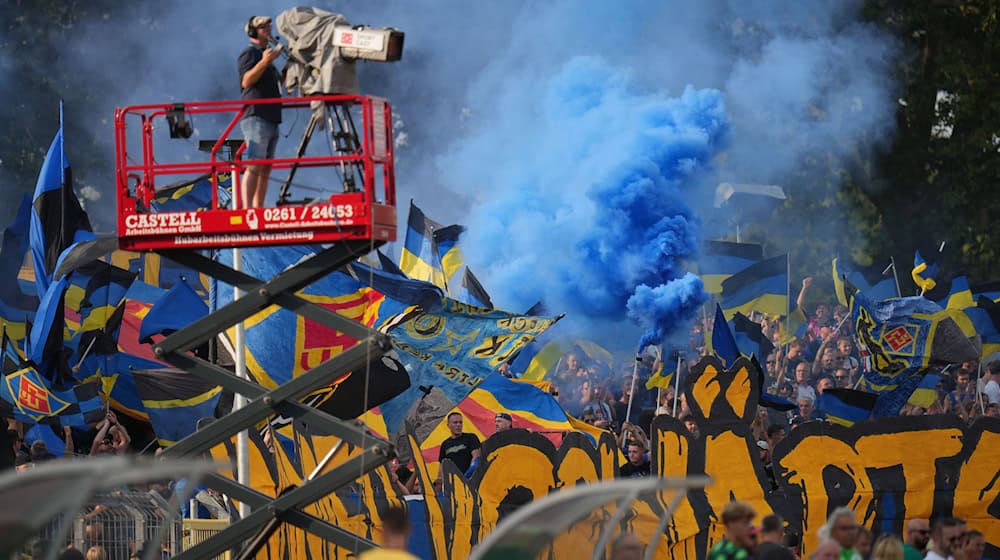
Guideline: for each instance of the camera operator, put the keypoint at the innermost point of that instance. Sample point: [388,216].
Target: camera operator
[259,80]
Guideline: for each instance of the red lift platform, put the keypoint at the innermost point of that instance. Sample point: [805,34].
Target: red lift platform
[362,209]
[353,209]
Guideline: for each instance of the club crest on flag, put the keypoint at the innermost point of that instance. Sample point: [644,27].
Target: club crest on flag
[900,339]
[882,361]
[33,399]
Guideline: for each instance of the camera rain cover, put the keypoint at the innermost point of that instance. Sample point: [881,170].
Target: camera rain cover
[316,65]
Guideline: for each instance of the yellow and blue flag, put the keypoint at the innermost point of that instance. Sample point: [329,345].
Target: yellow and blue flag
[448,251]
[721,259]
[157,271]
[659,379]
[420,259]
[953,293]
[94,296]
[455,349]
[175,401]
[761,287]
[114,373]
[793,326]
[905,336]
[875,285]
[845,406]
[924,275]
[192,195]
[925,393]
[537,360]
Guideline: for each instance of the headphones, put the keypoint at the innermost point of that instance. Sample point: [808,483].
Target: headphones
[251,29]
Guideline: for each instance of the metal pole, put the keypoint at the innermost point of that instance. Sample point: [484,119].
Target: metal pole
[788,305]
[631,394]
[239,400]
[979,394]
[677,384]
[895,276]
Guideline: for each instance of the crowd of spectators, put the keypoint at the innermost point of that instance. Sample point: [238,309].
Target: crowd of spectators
[842,538]
[800,369]
[615,398]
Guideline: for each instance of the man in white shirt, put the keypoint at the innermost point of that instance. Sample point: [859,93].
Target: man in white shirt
[945,534]
[989,382]
[802,386]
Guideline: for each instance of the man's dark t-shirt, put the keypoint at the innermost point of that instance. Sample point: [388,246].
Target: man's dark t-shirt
[628,470]
[459,450]
[265,88]
[773,551]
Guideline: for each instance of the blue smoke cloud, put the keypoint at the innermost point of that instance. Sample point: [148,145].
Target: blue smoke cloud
[589,202]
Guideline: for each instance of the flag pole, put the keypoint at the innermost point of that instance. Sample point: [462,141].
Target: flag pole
[979,394]
[239,400]
[677,384]
[788,303]
[79,363]
[62,171]
[659,387]
[895,276]
[631,393]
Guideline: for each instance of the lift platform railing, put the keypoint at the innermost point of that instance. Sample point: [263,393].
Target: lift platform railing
[361,207]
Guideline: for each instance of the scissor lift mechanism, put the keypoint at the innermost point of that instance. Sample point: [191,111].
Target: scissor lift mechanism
[353,222]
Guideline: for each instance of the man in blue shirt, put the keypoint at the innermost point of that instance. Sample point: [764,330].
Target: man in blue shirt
[258,80]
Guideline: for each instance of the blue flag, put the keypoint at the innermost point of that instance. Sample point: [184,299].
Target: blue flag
[178,308]
[44,433]
[46,337]
[905,336]
[723,342]
[57,219]
[472,292]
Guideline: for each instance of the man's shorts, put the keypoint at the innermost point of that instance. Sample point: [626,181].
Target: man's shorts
[261,136]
